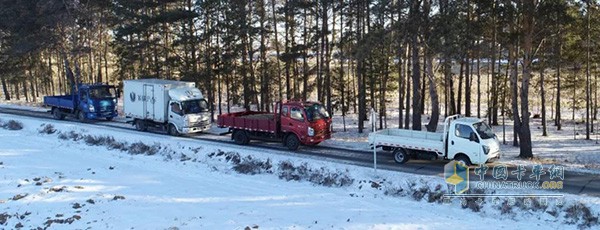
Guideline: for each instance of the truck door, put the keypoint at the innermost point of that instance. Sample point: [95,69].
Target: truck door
[83,101]
[149,102]
[462,139]
[176,115]
[294,121]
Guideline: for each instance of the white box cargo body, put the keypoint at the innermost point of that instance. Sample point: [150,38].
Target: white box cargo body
[148,99]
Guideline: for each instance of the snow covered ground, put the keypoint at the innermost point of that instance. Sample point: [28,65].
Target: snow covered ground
[68,180]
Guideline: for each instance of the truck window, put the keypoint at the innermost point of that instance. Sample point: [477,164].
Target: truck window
[316,112]
[297,114]
[463,131]
[175,108]
[484,130]
[102,93]
[284,111]
[83,96]
[194,106]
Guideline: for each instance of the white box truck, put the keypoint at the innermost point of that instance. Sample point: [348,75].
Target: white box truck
[465,139]
[174,106]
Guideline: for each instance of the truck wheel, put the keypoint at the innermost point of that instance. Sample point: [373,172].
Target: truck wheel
[57,114]
[292,142]
[463,159]
[240,137]
[140,126]
[172,130]
[401,156]
[81,116]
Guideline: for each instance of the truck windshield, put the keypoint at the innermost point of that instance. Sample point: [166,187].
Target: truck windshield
[194,106]
[484,130]
[316,112]
[102,92]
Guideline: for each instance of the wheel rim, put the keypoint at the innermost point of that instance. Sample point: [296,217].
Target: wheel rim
[81,117]
[399,157]
[173,131]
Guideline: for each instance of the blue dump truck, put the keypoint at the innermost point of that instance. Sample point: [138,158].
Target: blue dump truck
[88,102]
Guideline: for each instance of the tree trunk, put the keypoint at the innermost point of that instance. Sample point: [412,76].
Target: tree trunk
[587,76]
[435,104]
[305,68]
[478,86]
[557,117]
[416,77]
[401,69]
[408,91]
[494,108]
[5,88]
[524,131]
[468,71]
[277,52]
[514,94]
[543,99]
[460,83]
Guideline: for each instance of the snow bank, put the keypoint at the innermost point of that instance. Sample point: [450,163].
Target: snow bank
[91,177]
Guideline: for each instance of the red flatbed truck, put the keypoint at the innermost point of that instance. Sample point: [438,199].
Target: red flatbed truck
[292,123]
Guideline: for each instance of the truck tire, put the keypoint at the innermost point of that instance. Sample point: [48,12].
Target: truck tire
[240,137]
[81,116]
[57,114]
[109,118]
[401,156]
[172,130]
[463,159]
[292,142]
[140,126]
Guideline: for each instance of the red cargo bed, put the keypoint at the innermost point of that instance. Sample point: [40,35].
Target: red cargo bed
[249,120]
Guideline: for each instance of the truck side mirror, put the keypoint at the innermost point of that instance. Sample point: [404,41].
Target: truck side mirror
[473,137]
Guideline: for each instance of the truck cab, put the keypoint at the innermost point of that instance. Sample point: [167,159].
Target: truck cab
[471,141]
[97,101]
[188,111]
[308,121]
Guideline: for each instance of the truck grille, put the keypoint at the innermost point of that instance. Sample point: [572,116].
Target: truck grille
[200,124]
[106,108]
[322,132]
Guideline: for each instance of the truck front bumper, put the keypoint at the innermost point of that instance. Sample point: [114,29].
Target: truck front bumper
[195,129]
[492,157]
[101,115]
[317,139]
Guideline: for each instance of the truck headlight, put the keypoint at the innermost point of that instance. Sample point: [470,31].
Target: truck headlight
[486,149]
[311,132]
[91,108]
[115,101]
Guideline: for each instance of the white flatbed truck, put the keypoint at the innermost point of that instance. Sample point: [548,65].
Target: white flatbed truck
[465,139]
